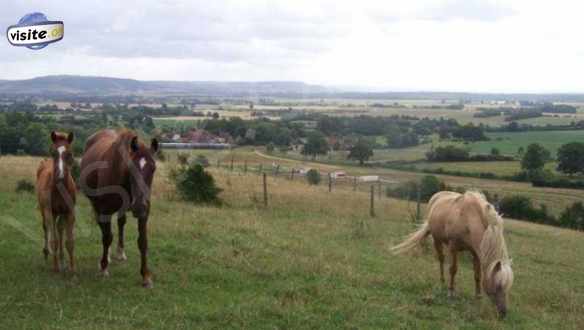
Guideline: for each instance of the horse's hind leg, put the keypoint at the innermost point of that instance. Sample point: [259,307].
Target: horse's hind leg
[453,269]
[70,242]
[120,254]
[477,274]
[106,239]
[440,252]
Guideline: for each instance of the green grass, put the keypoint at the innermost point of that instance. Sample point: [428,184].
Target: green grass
[312,259]
[508,143]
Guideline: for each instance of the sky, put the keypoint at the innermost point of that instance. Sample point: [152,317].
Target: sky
[385,45]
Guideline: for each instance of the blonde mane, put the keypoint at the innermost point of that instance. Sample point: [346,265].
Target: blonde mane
[493,248]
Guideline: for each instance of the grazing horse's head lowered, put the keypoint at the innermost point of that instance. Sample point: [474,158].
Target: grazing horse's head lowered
[61,154]
[142,170]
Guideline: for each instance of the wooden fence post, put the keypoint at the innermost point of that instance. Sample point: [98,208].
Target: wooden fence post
[292,174]
[232,162]
[372,206]
[277,170]
[379,190]
[355,183]
[418,197]
[265,190]
[330,182]
[245,167]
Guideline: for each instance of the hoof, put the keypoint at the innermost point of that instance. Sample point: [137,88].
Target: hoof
[148,284]
[479,296]
[46,253]
[121,255]
[104,273]
[451,293]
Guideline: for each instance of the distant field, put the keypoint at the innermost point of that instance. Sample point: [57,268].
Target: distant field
[497,168]
[508,143]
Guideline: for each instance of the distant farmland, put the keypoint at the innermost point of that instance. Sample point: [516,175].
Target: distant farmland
[508,143]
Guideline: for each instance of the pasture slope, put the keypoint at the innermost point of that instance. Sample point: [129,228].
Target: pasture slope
[312,259]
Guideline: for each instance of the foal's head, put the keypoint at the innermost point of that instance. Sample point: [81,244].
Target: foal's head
[497,284]
[141,175]
[61,152]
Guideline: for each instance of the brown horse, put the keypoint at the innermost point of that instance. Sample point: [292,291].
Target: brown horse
[56,191]
[116,175]
[468,222]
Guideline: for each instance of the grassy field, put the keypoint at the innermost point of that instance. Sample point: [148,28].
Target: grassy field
[508,143]
[312,259]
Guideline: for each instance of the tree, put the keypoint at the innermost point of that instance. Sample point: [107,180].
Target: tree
[37,138]
[315,145]
[361,151]
[534,158]
[495,152]
[571,158]
[313,177]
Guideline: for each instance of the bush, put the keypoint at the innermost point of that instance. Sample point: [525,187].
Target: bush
[447,154]
[201,160]
[270,148]
[429,185]
[521,207]
[194,184]
[24,186]
[573,217]
[313,177]
[182,158]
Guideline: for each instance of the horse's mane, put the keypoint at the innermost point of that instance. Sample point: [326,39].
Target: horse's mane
[493,249]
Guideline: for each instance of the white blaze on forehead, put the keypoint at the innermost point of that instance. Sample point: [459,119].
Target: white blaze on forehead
[142,163]
[61,150]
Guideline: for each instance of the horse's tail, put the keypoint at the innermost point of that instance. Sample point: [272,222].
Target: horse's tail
[413,240]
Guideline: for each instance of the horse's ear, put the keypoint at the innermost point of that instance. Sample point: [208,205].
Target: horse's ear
[53,136]
[154,146]
[70,137]
[134,144]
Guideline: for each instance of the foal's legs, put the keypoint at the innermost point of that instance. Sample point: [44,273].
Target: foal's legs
[120,254]
[453,268]
[105,225]
[70,240]
[61,229]
[477,273]
[440,251]
[46,248]
[143,246]
[51,237]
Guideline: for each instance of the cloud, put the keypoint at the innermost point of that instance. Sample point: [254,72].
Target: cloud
[479,10]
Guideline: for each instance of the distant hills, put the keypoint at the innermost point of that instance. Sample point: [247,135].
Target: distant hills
[92,86]
[87,86]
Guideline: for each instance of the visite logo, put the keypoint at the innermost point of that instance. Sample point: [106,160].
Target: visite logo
[35,31]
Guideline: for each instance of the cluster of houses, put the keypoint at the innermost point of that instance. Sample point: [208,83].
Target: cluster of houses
[196,139]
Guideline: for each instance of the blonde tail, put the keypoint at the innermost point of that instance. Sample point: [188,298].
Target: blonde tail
[413,240]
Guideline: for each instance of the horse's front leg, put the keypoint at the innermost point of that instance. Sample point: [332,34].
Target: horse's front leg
[105,225]
[143,246]
[120,254]
[70,242]
[440,252]
[453,269]
[477,274]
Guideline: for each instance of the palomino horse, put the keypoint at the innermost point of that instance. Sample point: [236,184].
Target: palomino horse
[468,222]
[116,175]
[55,191]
